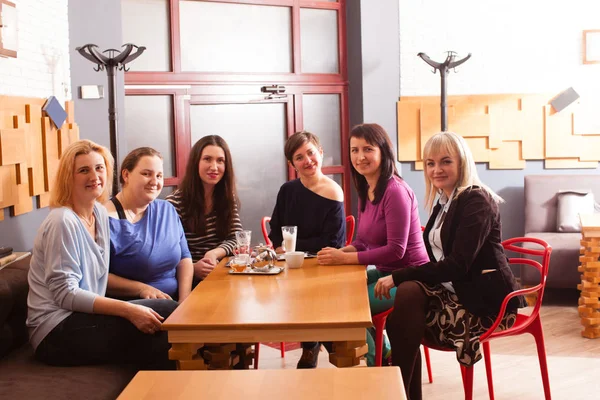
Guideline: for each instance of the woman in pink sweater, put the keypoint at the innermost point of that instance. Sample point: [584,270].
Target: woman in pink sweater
[389,230]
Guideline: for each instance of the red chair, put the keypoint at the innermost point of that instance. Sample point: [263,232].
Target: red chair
[531,324]
[263,225]
[349,229]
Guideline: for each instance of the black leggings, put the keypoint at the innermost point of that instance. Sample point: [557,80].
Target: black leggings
[86,339]
[406,328]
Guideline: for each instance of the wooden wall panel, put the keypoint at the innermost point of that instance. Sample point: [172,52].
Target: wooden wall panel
[513,127]
[408,128]
[29,152]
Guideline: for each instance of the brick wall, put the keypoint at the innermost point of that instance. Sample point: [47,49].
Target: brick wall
[532,46]
[42,66]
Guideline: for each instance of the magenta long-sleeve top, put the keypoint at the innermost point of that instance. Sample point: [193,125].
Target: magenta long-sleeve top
[389,232]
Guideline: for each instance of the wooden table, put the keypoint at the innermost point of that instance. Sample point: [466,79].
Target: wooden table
[589,303]
[327,384]
[312,303]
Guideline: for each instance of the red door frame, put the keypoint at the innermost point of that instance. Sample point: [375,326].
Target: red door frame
[296,82]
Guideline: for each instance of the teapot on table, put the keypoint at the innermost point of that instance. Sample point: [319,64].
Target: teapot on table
[265,258]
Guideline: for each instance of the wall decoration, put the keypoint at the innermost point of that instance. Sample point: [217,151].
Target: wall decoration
[8,29]
[503,130]
[591,46]
[30,147]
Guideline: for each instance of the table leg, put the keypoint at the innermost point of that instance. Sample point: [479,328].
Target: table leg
[589,303]
[348,354]
[187,357]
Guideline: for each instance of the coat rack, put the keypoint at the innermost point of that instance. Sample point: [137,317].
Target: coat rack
[444,67]
[114,60]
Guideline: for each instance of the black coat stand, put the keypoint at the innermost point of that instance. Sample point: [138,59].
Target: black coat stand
[111,60]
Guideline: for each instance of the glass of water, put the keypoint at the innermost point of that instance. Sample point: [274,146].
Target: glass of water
[243,240]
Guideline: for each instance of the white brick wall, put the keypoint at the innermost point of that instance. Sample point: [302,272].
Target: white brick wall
[518,46]
[41,68]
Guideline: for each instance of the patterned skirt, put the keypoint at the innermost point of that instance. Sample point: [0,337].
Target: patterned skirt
[451,326]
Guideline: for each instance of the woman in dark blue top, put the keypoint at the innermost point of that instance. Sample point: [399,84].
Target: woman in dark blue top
[320,220]
[313,203]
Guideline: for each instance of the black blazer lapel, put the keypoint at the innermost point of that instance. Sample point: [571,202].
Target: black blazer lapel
[428,228]
[449,226]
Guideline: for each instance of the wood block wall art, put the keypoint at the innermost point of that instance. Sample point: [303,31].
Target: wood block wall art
[30,147]
[505,130]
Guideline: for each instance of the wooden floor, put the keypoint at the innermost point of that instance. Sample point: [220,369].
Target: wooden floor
[573,361]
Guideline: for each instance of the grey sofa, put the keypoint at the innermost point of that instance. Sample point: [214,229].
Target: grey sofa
[541,202]
[22,376]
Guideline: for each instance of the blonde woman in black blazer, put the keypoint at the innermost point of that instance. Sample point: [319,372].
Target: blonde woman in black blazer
[456,297]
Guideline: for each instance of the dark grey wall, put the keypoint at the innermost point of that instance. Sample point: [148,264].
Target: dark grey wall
[373,65]
[380,62]
[96,22]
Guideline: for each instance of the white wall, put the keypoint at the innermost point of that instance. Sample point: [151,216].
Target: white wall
[518,46]
[41,68]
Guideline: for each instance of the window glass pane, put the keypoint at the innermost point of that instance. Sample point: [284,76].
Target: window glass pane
[149,122]
[319,41]
[146,23]
[321,113]
[166,190]
[235,37]
[255,134]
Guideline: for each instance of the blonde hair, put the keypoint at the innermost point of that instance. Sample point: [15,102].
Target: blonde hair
[62,191]
[455,146]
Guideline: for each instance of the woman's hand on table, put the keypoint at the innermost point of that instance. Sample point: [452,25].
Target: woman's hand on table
[383,287]
[149,292]
[204,267]
[144,318]
[331,256]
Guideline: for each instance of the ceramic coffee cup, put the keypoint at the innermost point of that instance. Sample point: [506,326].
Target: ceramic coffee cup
[294,259]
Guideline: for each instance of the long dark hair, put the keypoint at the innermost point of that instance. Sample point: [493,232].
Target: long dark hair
[375,135]
[192,191]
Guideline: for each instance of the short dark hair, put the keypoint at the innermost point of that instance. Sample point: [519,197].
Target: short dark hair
[297,140]
[375,135]
[132,159]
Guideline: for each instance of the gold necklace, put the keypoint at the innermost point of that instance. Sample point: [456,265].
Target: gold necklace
[90,222]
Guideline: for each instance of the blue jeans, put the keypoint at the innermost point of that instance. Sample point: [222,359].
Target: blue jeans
[85,339]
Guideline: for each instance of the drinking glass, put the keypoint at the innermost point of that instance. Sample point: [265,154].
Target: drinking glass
[239,263]
[243,239]
[289,234]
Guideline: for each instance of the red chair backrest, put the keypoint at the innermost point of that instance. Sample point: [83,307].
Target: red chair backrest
[349,229]
[544,251]
[263,225]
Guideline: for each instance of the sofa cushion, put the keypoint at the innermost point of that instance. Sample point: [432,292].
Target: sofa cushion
[571,203]
[23,377]
[564,260]
[541,200]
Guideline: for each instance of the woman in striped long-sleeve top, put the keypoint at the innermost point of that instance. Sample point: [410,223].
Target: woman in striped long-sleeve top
[207,204]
